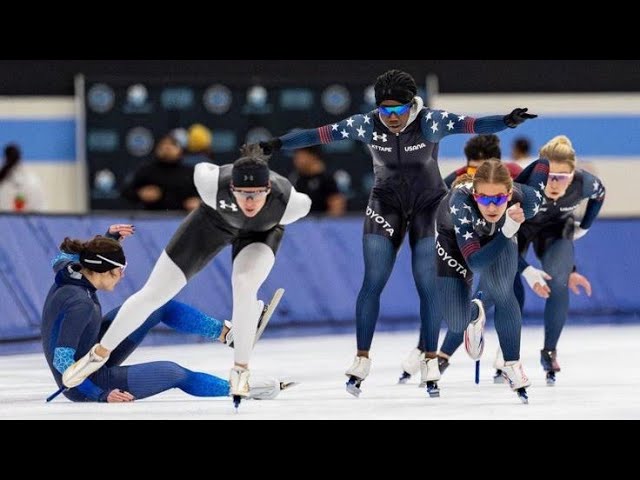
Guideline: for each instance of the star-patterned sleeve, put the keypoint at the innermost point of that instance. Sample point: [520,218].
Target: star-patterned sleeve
[464,219]
[533,187]
[593,189]
[437,124]
[357,127]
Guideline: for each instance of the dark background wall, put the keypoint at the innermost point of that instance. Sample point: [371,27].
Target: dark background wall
[55,77]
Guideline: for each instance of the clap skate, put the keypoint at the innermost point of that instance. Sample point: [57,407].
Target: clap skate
[81,369]
[518,380]
[549,361]
[410,365]
[238,384]
[474,333]
[265,315]
[498,364]
[430,374]
[357,372]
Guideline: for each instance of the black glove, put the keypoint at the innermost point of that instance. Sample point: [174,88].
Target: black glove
[271,146]
[518,116]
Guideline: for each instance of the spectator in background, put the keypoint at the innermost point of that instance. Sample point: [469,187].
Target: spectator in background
[198,145]
[20,190]
[521,151]
[310,177]
[165,183]
[477,150]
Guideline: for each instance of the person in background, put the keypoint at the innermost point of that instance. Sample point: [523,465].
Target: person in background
[164,183]
[477,150]
[553,233]
[198,145]
[521,151]
[310,177]
[20,190]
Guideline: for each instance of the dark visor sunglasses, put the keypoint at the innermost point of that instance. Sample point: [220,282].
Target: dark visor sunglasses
[398,109]
[487,200]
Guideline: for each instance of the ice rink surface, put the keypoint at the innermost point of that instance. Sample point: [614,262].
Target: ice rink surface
[600,379]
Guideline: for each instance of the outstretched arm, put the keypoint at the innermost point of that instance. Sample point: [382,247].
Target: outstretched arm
[357,127]
[437,124]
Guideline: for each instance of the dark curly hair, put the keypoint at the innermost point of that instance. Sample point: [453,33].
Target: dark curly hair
[395,85]
[483,147]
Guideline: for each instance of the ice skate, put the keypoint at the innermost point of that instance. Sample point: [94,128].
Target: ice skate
[81,369]
[474,333]
[410,365]
[357,372]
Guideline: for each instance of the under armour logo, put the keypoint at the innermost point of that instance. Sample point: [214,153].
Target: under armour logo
[232,206]
[382,137]
[248,178]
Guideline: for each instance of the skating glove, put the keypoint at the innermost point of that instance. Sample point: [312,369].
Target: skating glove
[517,116]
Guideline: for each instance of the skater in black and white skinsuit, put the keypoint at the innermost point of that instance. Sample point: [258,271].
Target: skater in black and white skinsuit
[245,205]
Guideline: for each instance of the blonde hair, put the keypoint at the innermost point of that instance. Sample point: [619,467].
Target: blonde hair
[559,149]
[493,171]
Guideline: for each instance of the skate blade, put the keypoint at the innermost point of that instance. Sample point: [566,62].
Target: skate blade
[353,387]
[286,385]
[551,381]
[522,395]
[433,390]
[273,304]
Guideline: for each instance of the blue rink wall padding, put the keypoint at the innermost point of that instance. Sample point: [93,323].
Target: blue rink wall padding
[319,264]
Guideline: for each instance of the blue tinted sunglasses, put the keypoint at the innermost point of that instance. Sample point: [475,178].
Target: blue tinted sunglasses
[487,200]
[398,110]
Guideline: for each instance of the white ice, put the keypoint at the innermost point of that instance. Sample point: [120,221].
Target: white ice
[600,379]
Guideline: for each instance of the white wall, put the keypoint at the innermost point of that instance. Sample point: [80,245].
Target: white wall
[65,190]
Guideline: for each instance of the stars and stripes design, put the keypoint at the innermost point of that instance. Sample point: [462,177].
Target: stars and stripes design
[439,123]
[465,218]
[357,127]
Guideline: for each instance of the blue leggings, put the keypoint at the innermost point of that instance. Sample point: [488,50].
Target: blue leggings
[147,379]
[379,258]
[496,281]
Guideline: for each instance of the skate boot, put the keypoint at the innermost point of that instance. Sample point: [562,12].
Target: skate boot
[498,364]
[238,384]
[268,388]
[549,361]
[430,374]
[518,380]
[443,364]
[410,365]
[80,370]
[266,312]
[357,372]
[474,334]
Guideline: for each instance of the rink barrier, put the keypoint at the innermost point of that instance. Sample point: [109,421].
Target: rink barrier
[319,264]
